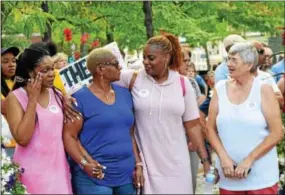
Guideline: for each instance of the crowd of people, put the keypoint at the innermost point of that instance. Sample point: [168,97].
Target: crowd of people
[146,130]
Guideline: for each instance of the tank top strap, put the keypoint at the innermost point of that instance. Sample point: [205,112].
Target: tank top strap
[221,90]
[255,95]
[22,97]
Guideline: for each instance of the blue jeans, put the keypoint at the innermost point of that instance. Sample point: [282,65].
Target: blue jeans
[82,184]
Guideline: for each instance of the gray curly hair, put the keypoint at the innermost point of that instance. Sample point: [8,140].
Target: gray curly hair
[247,52]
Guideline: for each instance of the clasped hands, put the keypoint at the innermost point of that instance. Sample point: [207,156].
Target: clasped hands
[94,169]
[233,170]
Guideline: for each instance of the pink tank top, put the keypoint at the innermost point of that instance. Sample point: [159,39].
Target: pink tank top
[44,159]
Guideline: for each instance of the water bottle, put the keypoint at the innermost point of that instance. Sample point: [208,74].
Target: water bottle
[209,181]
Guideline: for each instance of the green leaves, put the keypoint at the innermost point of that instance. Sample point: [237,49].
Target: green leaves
[199,22]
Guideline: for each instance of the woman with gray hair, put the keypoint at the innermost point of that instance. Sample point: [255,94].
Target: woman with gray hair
[243,128]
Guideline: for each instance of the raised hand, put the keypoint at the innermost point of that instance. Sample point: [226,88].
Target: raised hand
[69,112]
[34,87]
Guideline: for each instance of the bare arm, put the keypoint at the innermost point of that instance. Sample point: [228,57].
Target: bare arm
[76,151]
[280,99]
[135,146]
[22,124]
[212,135]
[3,107]
[85,154]
[281,85]
[139,178]
[70,139]
[195,135]
[271,112]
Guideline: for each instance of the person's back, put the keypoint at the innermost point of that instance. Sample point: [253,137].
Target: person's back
[221,72]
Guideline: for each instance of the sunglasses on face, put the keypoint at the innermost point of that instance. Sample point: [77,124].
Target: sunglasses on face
[116,64]
[260,51]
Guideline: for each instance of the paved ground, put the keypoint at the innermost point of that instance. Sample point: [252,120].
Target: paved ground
[201,181]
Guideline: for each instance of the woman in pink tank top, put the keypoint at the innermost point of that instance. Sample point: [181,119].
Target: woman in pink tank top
[35,116]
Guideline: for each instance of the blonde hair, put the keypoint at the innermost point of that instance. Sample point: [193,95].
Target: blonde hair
[60,56]
[97,56]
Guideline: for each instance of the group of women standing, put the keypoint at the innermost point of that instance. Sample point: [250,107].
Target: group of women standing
[130,129]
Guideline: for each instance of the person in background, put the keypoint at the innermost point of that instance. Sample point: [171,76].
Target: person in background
[186,52]
[187,69]
[8,70]
[222,72]
[35,116]
[202,84]
[264,76]
[36,38]
[278,69]
[60,60]
[103,134]
[192,74]
[244,127]
[266,67]
[210,80]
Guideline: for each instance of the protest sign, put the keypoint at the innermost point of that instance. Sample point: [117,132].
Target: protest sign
[76,74]
[116,51]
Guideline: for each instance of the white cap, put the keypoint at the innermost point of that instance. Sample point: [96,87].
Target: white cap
[232,39]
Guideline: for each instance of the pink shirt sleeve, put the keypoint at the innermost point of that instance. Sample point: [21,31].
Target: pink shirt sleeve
[191,106]
[125,78]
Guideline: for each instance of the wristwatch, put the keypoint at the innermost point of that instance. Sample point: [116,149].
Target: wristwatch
[82,163]
[203,160]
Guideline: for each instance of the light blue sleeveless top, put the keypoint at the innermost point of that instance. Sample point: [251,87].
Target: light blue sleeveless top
[241,129]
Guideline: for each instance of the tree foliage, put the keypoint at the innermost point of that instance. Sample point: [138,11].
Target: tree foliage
[123,22]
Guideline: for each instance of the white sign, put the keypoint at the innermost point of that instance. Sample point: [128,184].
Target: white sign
[76,75]
[115,49]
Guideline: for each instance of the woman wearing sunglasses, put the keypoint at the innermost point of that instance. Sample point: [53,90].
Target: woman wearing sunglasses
[100,143]
[35,117]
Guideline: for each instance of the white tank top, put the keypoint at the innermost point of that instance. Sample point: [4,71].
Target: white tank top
[241,129]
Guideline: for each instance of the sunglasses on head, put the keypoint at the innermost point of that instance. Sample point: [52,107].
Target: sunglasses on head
[260,51]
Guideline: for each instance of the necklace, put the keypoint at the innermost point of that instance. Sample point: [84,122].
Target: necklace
[106,95]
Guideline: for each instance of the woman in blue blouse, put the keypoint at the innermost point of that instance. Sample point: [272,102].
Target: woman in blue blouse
[103,151]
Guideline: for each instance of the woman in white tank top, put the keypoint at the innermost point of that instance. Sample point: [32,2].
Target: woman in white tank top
[244,126]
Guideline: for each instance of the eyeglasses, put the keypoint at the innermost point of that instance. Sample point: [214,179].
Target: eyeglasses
[260,51]
[233,60]
[116,64]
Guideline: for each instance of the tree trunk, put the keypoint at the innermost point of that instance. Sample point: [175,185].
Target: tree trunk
[109,34]
[148,18]
[47,34]
[207,56]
